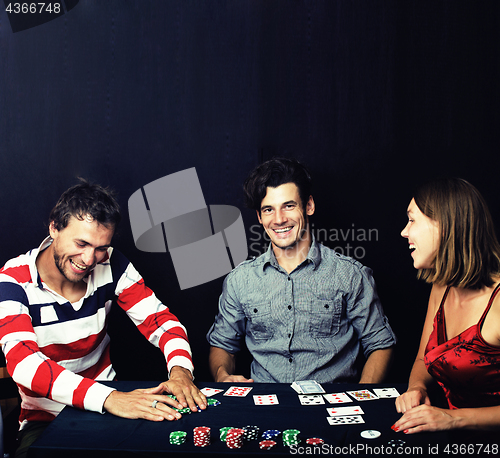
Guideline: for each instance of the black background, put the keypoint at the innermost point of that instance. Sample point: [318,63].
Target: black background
[374,96]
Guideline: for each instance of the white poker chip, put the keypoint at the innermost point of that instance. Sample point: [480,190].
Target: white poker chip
[370,434]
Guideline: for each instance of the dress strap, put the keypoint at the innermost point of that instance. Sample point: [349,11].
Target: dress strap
[492,297]
[440,319]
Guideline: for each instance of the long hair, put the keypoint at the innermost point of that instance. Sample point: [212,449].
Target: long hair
[469,253]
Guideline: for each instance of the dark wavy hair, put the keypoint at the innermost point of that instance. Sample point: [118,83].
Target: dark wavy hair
[86,199]
[274,173]
[469,253]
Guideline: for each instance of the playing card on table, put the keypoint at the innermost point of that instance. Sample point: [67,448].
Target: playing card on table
[386,392]
[311,399]
[347,420]
[348,410]
[210,391]
[265,399]
[337,398]
[307,387]
[362,395]
[238,391]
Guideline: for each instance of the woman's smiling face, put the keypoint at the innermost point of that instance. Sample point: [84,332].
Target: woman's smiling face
[422,233]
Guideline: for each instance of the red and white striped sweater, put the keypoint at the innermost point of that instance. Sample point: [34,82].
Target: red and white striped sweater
[57,351]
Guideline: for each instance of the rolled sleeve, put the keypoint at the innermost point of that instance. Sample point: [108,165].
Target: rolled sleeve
[229,325]
[366,314]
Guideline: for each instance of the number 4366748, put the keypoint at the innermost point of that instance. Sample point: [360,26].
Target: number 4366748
[33,8]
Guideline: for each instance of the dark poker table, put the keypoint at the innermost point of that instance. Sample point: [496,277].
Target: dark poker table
[78,433]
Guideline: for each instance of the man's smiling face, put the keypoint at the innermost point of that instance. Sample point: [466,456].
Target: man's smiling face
[283,217]
[79,247]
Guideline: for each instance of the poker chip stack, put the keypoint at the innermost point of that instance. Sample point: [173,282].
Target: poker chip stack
[251,433]
[314,441]
[223,432]
[178,437]
[201,436]
[291,437]
[234,438]
[270,434]
[267,444]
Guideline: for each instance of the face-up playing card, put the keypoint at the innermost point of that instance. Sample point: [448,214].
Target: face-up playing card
[210,391]
[347,410]
[362,395]
[337,398]
[386,392]
[238,391]
[347,420]
[311,399]
[265,399]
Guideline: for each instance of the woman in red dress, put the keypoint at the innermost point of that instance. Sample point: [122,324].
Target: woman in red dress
[453,245]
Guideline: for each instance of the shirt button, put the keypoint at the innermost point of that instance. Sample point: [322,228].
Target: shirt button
[327,306]
[289,335]
[288,278]
[289,307]
[255,310]
[290,360]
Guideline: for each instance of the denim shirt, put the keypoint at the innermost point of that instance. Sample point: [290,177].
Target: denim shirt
[309,324]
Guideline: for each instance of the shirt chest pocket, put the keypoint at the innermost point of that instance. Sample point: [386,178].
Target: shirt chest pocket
[325,317]
[259,321]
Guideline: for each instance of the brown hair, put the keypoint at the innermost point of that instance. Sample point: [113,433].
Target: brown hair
[86,199]
[274,173]
[469,253]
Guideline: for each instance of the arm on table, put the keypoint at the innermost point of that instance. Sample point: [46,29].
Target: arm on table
[428,418]
[222,365]
[139,403]
[420,379]
[376,366]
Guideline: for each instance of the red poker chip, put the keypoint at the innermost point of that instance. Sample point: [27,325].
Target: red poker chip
[314,441]
[267,444]
[234,438]
[201,436]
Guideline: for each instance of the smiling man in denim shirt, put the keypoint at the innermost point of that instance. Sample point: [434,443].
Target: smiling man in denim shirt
[305,311]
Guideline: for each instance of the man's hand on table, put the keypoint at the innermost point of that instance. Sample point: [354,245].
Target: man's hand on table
[182,387]
[224,377]
[139,403]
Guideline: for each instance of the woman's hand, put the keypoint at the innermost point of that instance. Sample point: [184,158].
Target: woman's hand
[427,418]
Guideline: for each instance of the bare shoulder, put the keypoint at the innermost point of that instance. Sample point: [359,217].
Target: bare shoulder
[491,326]
[437,293]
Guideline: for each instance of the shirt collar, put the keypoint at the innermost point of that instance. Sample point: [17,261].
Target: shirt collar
[314,255]
[35,277]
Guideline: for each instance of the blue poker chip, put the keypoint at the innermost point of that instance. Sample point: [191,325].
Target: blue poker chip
[270,433]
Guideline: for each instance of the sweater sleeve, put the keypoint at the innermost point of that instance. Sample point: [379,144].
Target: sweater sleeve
[153,319]
[37,375]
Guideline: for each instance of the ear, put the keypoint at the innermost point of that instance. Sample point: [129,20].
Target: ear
[52,229]
[258,216]
[310,207]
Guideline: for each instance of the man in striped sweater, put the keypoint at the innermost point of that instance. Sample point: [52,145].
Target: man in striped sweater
[54,302]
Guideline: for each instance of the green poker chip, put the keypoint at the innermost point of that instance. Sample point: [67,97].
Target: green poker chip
[223,432]
[290,437]
[178,437]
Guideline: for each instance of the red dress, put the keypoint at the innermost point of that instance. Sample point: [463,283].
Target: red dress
[466,367]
